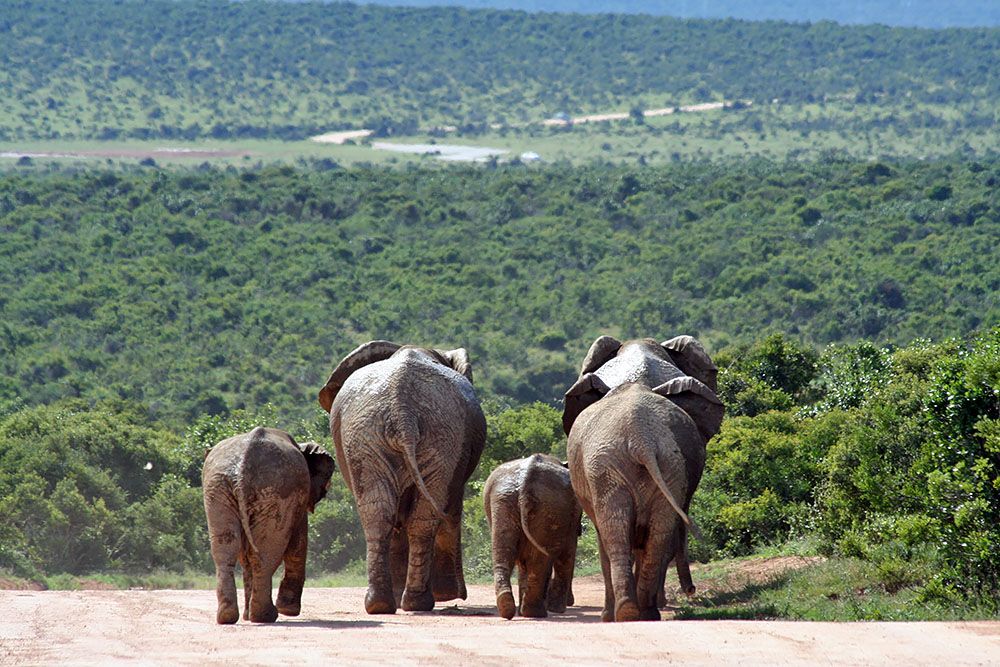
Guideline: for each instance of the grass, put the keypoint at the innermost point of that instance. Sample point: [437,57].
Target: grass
[835,589]
[774,131]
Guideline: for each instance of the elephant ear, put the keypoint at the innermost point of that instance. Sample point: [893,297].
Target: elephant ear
[603,349]
[588,390]
[321,467]
[689,356]
[458,359]
[369,353]
[697,400]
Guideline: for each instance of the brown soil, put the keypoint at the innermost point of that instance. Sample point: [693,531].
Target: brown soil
[177,627]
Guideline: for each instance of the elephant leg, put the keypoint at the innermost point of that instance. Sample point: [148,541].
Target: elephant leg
[290,589]
[682,562]
[616,516]
[447,578]
[608,613]
[420,532]
[399,557]
[505,537]
[225,543]
[378,518]
[534,584]
[262,566]
[247,583]
[561,587]
[650,569]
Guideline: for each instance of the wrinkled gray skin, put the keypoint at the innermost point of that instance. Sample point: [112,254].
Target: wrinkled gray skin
[408,432]
[534,521]
[258,489]
[638,420]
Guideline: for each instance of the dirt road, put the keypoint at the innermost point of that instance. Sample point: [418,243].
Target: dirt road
[177,627]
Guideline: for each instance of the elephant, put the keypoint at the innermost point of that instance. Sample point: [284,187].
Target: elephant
[638,421]
[259,488]
[408,432]
[534,521]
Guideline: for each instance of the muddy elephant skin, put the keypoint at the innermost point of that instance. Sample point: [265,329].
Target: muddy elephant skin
[534,521]
[258,490]
[408,431]
[638,421]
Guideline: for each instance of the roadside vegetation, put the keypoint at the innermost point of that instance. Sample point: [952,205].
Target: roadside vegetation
[831,238]
[149,314]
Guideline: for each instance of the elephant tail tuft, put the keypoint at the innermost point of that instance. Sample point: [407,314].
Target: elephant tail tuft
[648,459]
[525,505]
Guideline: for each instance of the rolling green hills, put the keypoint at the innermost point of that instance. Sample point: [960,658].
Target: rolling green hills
[204,291]
[188,70]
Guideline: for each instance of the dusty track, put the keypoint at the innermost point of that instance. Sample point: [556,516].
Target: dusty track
[177,627]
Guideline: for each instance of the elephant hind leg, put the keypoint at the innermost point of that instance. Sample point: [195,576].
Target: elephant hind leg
[378,516]
[290,590]
[505,537]
[247,583]
[616,517]
[420,532]
[225,543]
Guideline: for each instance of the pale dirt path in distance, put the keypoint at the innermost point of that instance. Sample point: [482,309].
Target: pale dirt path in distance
[177,627]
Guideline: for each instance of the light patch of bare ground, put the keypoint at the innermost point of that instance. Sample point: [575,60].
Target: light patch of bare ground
[177,627]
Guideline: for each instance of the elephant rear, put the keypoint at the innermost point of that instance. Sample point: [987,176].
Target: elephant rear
[257,493]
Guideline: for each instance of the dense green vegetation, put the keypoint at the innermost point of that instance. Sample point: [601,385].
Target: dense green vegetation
[218,69]
[201,292]
[888,458]
[925,13]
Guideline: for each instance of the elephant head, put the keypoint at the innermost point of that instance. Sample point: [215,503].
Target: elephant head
[378,350]
[321,467]
[662,366]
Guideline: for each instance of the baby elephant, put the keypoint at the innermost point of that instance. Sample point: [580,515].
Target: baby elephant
[534,521]
[258,488]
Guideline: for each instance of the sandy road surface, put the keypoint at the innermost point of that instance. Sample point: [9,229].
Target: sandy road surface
[177,627]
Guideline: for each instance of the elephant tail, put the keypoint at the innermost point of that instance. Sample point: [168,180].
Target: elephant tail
[241,504]
[408,440]
[524,502]
[648,459]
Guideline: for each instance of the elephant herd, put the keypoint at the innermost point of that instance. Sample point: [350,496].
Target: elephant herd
[408,432]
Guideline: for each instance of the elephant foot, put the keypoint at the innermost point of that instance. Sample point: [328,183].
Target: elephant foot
[423,601]
[379,604]
[556,606]
[449,588]
[506,606]
[289,604]
[626,612]
[607,616]
[227,614]
[570,600]
[268,615]
[690,590]
[651,614]
[290,609]
[536,610]
[661,598]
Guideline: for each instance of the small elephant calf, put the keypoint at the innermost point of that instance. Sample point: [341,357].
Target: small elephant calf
[534,520]
[258,488]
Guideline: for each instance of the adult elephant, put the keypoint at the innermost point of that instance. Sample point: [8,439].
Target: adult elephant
[638,420]
[408,431]
[258,489]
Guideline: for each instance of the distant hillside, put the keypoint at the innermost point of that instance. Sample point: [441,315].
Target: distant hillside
[204,291]
[914,13]
[159,69]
